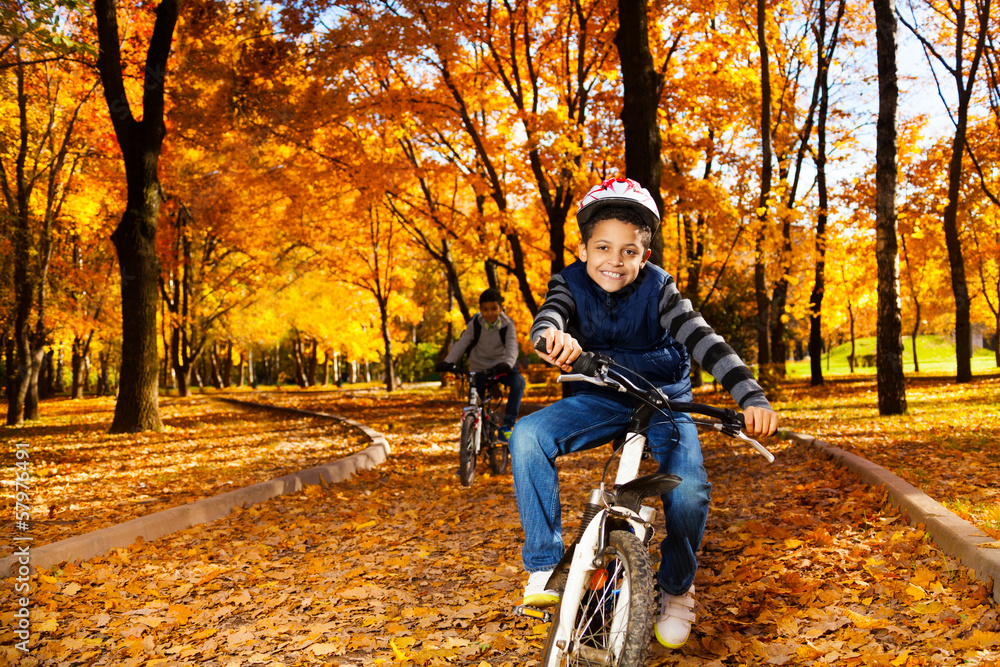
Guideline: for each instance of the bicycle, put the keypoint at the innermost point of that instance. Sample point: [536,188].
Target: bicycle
[482,418]
[605,612]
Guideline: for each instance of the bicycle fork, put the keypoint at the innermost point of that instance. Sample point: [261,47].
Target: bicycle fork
[587,559]
[477,431]
[620,509]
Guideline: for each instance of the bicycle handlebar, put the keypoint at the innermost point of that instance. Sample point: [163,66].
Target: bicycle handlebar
[595,368]
[489,373]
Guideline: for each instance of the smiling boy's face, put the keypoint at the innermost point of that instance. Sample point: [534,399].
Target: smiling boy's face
[614,254]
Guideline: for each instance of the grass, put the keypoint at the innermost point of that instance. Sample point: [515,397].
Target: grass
[986,515]
[935,356]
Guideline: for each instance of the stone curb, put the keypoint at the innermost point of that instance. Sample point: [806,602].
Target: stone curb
[164,522]
[953,535]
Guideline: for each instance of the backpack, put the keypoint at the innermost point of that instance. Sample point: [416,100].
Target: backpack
[477,329]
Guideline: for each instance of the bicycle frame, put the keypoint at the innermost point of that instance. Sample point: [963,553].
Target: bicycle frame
[587,554]
[588,550]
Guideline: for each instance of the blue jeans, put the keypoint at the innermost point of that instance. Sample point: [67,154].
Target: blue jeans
[584,421]
[515,382]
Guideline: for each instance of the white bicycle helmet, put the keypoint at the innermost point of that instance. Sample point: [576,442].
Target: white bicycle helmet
[619,192]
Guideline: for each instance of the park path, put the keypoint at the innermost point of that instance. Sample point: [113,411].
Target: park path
[400,564]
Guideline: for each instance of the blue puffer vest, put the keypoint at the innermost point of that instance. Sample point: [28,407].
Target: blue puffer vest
[625,325]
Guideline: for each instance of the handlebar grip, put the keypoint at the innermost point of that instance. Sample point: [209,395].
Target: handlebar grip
[588,363]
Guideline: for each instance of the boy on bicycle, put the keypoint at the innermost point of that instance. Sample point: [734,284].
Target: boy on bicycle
[491,342]
[612,301]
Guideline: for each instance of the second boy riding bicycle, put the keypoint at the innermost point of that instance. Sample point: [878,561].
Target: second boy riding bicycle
[491,342]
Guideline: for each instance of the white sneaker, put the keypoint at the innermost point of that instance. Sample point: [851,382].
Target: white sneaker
[673,625]
[536,594]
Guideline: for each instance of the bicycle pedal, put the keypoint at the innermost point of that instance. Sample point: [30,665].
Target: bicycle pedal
[533,612]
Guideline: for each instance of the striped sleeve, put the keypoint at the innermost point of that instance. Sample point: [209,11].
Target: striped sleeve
[463,342]
[689,328]
[556,310]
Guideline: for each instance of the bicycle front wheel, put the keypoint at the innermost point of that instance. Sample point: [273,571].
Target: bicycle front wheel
[496,452]
[499,456]
[614,620]
[468,447]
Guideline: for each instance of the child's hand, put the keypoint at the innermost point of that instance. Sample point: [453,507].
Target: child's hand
[562,349]
[760,421]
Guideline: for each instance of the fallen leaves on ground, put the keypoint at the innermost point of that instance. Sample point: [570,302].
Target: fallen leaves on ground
[946,445]
[801,564]
[83,479]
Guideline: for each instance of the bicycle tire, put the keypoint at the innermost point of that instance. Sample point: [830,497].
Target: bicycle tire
[499,458]
[614,621]
[467,450]
[497,453]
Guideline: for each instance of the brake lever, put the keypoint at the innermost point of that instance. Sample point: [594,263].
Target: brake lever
[733,432]
[756,445]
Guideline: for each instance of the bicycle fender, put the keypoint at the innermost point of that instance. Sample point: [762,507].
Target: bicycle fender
[621,518]
[632,494]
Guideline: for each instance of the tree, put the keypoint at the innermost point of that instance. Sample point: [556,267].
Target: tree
[764,202]
[962,68]
[889,349]
[640,106]
[33,26]
[36,171]
[141,141]
[826,54]
[380,274]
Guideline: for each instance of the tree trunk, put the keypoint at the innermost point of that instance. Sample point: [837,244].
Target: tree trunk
[641,83]
[80,349]
[889,348]
[137,408]
[693,245]
[9,367]
[956,263]
[24,286]
[215,366]
[312,363]
[492,279]
[18,389]
[227,366]
[851,360]
[819,280]
[299,359]
[766,173]
[996,341]
[103,377]
[45,375]
[36,356]
[390,370]
[86,374]
[180,360]
[59,379]
[915,333]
